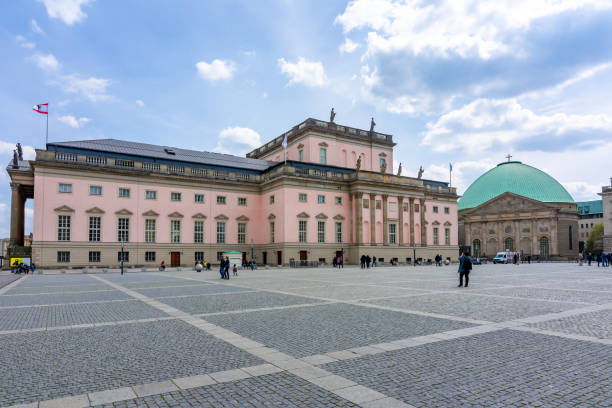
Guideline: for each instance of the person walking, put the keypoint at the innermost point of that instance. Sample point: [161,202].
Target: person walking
[363,261]
[373,262]
[340,262]
[465,266]
[222,268]
[368,260]
[227,266]
[589,258]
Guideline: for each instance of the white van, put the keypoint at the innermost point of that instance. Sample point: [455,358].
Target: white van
[504,257]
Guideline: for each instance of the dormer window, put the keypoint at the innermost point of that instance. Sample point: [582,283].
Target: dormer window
[169,151]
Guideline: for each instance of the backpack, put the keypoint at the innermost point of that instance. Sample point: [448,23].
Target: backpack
[467,264]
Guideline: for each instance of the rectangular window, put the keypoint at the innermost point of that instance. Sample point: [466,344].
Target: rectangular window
[150,225]
[63,228]
[338,200]
[435,209]
[65,188]
[220,232]
[150,256]
[175,196]
[378,204]
[404,207]
[446,210]
[302,197]
[94,256]
[272,232]
[366,203]
[123,256]
[301,231]
[392,207]
[323,155]
[199,256]
[242,201]
[447,236]
[124,192]
[435,236]
[95,190]
[94,229]
[198,198]
[321,231]
[321,199]
[220,199]
[382,163]
[151,195]
[300,155]
[392,234]
[338,232]
[123,229]
[272,199]
[175,231]
[416,208]
[63,256]
[242,233]
[198,232]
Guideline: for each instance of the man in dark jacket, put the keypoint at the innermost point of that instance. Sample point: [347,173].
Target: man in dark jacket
[363,261]
[465,266]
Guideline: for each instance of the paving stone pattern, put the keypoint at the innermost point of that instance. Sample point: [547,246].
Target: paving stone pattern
[59,298]
[302,332]
[594,324]
[560,295]
[6,279]
[498,369]
[76,361]
[189,290]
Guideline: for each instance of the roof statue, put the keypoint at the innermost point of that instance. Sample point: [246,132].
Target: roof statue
[383,166]
[358,165]
[19,151]
[15,159]
[399,170]
[332,115]
[421,171]
[372,124]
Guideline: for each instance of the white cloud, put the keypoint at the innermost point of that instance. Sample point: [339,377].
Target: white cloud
[216,70]
[483,123]
[24,42]
[468,28]
[72,121]
[140,103]
[309,73]
[69,11]
[91,88]
[36,28]
[6,149]
[47,62]
[348,46]
[582,191]
[237,140]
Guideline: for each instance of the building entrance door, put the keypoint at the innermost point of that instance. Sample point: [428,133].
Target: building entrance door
[175,259]
[244,261]
[303,255]
[279,257]
[265,257]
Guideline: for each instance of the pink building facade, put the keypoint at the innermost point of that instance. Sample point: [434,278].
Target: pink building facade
[334,195]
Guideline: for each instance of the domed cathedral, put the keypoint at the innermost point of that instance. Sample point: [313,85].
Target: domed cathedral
[517,207]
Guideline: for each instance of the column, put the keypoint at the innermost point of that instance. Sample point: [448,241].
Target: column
[359,217]
[400,205]
[467,228]
[517,236]
[501,246]
[385,209]
[372,219]
[535,248]
[351,218]
[17,215]
[554,237]
[423,226]
[411,209]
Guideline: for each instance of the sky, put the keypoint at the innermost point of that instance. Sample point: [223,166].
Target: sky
[465,82]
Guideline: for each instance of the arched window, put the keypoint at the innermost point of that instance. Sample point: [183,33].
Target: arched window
[509,244]
[544,248]
[476,248]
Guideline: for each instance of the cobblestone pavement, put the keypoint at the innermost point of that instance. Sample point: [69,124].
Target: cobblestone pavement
[6,279]
[536,335]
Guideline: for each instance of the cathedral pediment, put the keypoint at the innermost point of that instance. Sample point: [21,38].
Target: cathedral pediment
[508,203]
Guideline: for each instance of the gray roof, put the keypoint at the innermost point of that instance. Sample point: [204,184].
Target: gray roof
[160,152]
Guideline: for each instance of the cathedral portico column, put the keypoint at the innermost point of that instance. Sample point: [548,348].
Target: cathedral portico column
[423,226]
[411,215]
[535,249]
[517,236]
[400,208]
[385,197]
[17,215]
[372,219]
[467,227]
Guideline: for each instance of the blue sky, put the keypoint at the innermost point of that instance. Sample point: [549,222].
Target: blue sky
[460,81]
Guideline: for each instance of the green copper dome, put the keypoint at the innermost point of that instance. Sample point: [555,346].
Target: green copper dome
[514,177]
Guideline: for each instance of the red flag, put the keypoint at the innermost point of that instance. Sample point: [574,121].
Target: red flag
[42,108]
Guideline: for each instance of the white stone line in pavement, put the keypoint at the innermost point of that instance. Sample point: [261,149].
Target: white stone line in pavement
[68,303]
[567,313]
[11,285]
[281,360]
[60,293]
[204,294]
[570,336]
[263,309]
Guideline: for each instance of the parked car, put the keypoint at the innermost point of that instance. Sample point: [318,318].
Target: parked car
[504,257]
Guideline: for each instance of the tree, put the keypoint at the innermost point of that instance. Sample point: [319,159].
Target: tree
[595,241]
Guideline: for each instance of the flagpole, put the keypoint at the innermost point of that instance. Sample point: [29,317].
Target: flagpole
[47,132]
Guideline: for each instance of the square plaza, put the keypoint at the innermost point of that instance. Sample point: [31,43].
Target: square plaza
[528,335]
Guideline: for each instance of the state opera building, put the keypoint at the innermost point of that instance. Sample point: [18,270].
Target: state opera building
[333,194]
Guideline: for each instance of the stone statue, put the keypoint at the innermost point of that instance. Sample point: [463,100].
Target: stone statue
[358,165]
[332,115]
[399,170]
[383,167]
[421,171]
[372,124]
[15,159]
[19,151]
